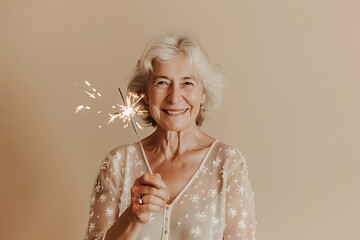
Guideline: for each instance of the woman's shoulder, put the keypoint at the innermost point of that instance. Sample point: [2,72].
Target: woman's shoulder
[227,150]
[123,149]
[227,156]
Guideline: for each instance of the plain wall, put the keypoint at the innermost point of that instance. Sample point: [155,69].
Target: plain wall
[291,105]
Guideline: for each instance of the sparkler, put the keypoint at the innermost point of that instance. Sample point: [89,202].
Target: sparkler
[127,112]
[130,110]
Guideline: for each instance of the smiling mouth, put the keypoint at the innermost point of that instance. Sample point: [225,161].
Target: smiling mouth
[175,112]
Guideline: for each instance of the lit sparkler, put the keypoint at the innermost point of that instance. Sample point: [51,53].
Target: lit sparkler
[129,110]
[126,113]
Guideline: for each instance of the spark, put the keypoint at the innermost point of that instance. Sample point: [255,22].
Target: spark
[139,126]
[90,95]
[87,83]
[112,117]
[78,108]
[99,94]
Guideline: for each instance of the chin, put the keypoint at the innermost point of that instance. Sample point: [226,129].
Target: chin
[178,126]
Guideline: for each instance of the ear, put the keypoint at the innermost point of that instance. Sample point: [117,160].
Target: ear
[203,96]
[146,100]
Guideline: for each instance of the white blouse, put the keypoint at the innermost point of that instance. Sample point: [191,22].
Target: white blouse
[216,203]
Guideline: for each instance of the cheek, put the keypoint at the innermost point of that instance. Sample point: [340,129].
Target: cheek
[195,99]
[154,103]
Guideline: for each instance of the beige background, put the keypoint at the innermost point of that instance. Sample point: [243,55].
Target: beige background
[291,105]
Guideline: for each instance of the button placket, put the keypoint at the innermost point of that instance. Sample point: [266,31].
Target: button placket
[167,213]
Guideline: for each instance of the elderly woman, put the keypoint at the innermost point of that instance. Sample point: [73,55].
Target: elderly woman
[178,183]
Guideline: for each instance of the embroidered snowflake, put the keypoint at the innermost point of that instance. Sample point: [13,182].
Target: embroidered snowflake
[109,212]
[194,198]
[203,169]
[240,189]
[146,238]
[118,156]
[216,162]
[138,162]
[232,212]
[105,164]
[151,217]
[213,207]
[91,227]
[242,224]
[200,216]
[131,148]
[196,231]
[97,187]
[244,213]
[91,214]
[92,201]
[127,201]
[231,152]
[215,220]
[99,236]
[102,198]
[212,193]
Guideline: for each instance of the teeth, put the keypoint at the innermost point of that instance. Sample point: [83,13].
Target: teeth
[175,112]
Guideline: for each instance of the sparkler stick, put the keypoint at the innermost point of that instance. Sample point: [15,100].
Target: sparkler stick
[132,120]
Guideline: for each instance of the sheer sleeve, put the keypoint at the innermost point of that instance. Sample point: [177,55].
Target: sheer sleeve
[240,204]
[105,199]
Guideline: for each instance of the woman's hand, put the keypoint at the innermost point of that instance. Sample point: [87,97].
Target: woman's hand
[154,196]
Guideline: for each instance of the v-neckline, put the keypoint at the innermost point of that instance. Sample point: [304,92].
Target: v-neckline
[191,178]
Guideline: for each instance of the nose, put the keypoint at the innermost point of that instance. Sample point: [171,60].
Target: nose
[174,94]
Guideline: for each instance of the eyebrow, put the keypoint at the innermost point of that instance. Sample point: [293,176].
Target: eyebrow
[166,77]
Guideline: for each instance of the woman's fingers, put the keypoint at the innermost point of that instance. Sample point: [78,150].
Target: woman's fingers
[154,196]
[150,199]
[152,180]
[140,209]
[149,184]
[149,190]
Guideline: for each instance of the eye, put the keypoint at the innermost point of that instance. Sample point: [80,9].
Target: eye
[161,83]
[188,83]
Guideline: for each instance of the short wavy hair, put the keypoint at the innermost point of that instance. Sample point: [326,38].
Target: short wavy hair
[164,48]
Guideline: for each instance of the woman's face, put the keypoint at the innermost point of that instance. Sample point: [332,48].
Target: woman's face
[174,95]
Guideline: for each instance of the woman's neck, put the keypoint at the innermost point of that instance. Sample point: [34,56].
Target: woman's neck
[175,143]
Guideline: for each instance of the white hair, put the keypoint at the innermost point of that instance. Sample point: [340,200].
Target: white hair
[164,48]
